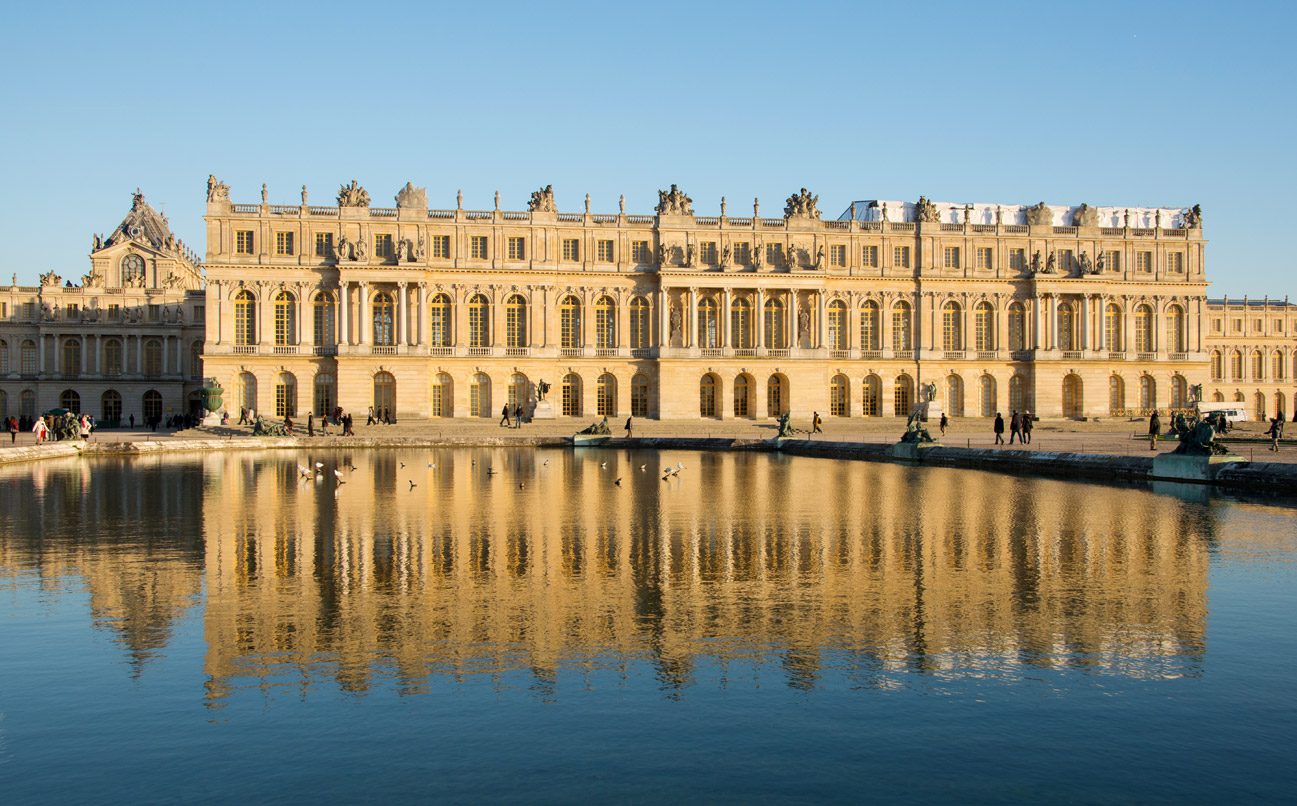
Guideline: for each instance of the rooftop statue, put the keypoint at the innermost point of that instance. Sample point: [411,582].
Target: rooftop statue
[802,204]
[1085,216]
[49,279]
[353,195]
[542,201]
[925,211]
[217,191]
[674,202]
[914,430]
[92,280]
[1193,217]
[1040,215]
[411,196]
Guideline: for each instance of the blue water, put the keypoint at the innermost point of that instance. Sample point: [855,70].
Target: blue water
[755,627]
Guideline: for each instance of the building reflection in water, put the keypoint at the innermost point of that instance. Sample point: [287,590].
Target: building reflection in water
[797,568]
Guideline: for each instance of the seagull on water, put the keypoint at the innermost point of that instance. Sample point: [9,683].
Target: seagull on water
[402,464]
[304,471]
[338,475]
[603,465]
[617,482]
[412,484]
[642,468]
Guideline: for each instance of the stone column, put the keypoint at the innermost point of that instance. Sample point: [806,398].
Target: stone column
[364,317]
[760,324]
[1159,325]
[344,315]
[1083,338]
[401,319]
[1127,338]
[963,324]
[166,355]
[790,319]
[1033,340]
[40,343]
[664,317]
[691,325]
[725,318]
[421,321]
[821,326]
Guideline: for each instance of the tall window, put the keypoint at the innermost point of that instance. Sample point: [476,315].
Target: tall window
[477,247]
[985,259]
[1175,335]
[569,322]
[1017,394]
[987,385]
[479,321]
[984,327]
[776,396]
[243,242]
[604,251]
[740,323]
[1017,326]
[441,246]
[742,252]
[1073,397]
[639,324]
[1112,260]
[323,244]
[113,357]
[283,243]
[326,394]
[152,358]
[950,257]
[71,358]
[606,396]
[515,321]
[1278,366]
[571,249]
[774,254]
[902,332]
[639,252]
[708,323]
[4,364]
[383,244]
[27,357]
[639,396]
[776,325]
[1143,261]
[1066,327]
[439,317]
[952,327]
[869,257]
[1018,259]
[1175,262]
[902,396]
[1236,365]
[1179,392]
[517,248]
[1147,392]
[901,258]
[1065,261]
[1258,366]
[519,393]
[1116,395]
[743,396]
[837,327]
[441,395]
[1217,366]
[871,334]
[110,405]
[838,255]
[571,394]
[871,396]
[383,311]
[245,318]
[1143,329]
[707,396]
[324,314]
[839,398]
[152,407]
[285,319]
[286,395]
[479,397]
[1112,327]
[605,323]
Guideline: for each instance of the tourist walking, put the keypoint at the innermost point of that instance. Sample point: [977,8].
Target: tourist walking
[369,417]
[243,416]
[945,421]
[85,426]
[288,425]
[816,422]
[504,416]
[517,416]
[1154,430]
[132,420]
[628,427]
[1015,427]
[1026,427]
[13,430]
[347,430]
[41,430]
[999,428]
[1275,433]
[310,423]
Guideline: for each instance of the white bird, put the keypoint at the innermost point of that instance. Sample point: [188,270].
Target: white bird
[642,468]
[603,465]
[338,474]
[319,465]
[304,471]
[319,477]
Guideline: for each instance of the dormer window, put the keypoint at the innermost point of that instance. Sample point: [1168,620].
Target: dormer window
[132,267]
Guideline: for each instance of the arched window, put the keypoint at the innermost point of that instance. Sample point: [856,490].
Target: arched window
[1143,329]
[324,315]
[987,385]
[1018,394]
[569,321]
[639,396]
[902,329]
[605,323]
[27,357]
[955,395]
[1017,326]
[640,326]
[515,321]
[326,394]
[152,406]
[285,319]
[571,393]
[519,393]
[741,324]
[1259,406]
[743,395]
[837,327]
[952,327]
[1147,393]
[70,400]
[248,391]
[110,407]
[1239,398]
[839,395]
[441,395]
[286,395]
[1073,396]
[1217,397]
[27,403]
[1179,392]
[112,356]
[606,395]
[707,388]
[384,393]
[1258,366]
[196,359]
[984,328]
[131,268]
[1217,366]
[440,318]
[903,396]
[1280,405]
[1176,338]
[71,358]
[479,396]
[708,324]
[1236,365]
[1066,326]
[1276,360]
[383,319]
[1112,328]
[245,318]
[871,332]
[4,404]
[775,325]
[152,358]
[1116,395]
[871,396]
[4,363]
[776,396]
[479,321]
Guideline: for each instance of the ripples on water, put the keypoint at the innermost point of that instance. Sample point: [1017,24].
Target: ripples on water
[797,607]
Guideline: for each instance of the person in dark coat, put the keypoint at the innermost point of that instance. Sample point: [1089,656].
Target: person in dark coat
[1015,426]
[628,427]
[1026,427]
[1154,430]
[504,416]
[945,421]
[998,427]
[310,423]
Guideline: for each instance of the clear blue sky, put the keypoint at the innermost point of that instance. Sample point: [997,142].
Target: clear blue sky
[1107,103]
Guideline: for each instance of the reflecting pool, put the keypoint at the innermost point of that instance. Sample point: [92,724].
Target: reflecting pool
[486,624]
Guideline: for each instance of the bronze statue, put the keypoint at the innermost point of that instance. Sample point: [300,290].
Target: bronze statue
[914,430]
[541,389]
[785,426]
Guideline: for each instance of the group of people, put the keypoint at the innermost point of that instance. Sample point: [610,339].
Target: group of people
[511,417]
[52,427]
[380,416]
[1020,426]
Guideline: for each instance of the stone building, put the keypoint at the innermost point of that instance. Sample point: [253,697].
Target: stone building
[1253,356]
[1065,311]
[126,341]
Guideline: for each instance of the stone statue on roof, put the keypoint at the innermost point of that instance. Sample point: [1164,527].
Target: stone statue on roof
[1040,215]
[674,202]
[217,191]
[353,195]
[413,197]
[1193,217]
[49,279]
[542,201]
[802,204]
[1085,216]
[925,211]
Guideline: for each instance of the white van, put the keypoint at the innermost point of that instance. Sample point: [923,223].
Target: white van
[1234,412]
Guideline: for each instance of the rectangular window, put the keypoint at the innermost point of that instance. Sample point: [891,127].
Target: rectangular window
[1112,260]
[114,313]
[985,258]
[73,312]
[155,312]
[477,247]
[243,242]
[1143,261]
[1238,325]
[708,253]
[571,249]
[774,253]
[441,246]
[639,252]
[901,257]
[517,248]
[838,256]
[1018,259]
[605,251]
[1256,326]
[1065,261]
[1215,325]
[1175,262]
[950,257]
[742,252]
[323,244]
[283,243]
[200,314]
[382,245]
[869,257]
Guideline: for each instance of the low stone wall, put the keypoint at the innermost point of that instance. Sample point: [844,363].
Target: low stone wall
[32,453]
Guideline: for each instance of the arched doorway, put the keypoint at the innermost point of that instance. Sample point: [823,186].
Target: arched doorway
[954,396]
[639,395]
[1073,397]
[1260,411]
[871,396]
[839,396]
[743,390]
[384,394]
[152,406]
[110,406]
[248,391]
[777,395]
[707,388]
[1116,395]
[903,396]
[70,400]
[286,395]
[441,396]
[987,384]
[520,392]
[479,397]
[571,393]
